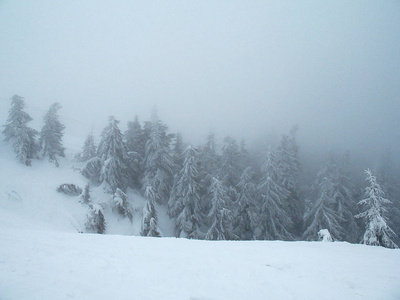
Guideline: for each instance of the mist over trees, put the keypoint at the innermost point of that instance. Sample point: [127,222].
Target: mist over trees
[220,191]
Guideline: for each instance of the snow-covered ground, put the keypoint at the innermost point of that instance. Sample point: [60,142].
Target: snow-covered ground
[37,264]
[42,255]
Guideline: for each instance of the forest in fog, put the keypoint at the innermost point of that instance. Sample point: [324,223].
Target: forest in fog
[221,190]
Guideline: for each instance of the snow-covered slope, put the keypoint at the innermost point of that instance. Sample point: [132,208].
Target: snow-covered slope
[37,264]
[28,197]
[42,255]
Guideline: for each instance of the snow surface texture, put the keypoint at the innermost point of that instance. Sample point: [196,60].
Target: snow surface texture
[42,255]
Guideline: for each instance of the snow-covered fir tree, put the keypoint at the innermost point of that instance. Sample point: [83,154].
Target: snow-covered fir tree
[159,165]
[275,222]
[344,197]
[134,137]
[184,203]
[288,162]
[323,214]
[113,155]
[209,163]
[209,159]
[377,230]
[177,152]
[231,166]
[136,152]
[121,205]
[150,218]
[85,197]
[51,135]
[22,137]
[244,156]
[89,149]
[389,180]
[246,214]
[220,216]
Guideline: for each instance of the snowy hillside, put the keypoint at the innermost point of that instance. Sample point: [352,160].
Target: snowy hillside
[43,257]
[28,197]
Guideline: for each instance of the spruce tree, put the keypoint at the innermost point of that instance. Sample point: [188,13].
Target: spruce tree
[113,155]
[275,222]
[231,167]
[136,152]
[389,180]
[220,216]
[88,150]
[209,167]
[121,205]
[16,130]
[288,162]
[184,203]
[51,135]
[323,214]
[377,230]
[150,218]
[86,199]
[344,197]
[134,137]
[246,215]
[159,166]
[177,152]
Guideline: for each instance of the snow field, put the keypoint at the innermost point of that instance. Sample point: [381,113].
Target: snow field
[38,264]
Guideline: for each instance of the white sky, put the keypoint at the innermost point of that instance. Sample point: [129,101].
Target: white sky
[236,67]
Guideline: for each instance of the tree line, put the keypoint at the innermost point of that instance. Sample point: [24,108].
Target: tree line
[214,194]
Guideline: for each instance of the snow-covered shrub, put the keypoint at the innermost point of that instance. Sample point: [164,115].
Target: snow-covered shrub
[69,189]
[324,235]
[121,205]
[96,222]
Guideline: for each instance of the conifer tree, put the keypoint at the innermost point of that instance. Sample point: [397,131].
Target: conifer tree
[88,150]
[177,152]
[323,214]
[344,197]
[220,215]
[136,152]
[121,205]
[184,203]
[246,220]
[86,199]
[231,167]
[112,152]
[159,166]
[150,218]
[209,167]
[51,135]
[134,137]
[96,221]
[288,162]
[377,230]
[389,180]
[275,222]
[209,159]
[16,130]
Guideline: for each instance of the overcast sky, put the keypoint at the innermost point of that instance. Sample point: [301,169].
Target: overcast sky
[243,68]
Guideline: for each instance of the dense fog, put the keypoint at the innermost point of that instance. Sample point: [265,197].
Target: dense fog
[248,70]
